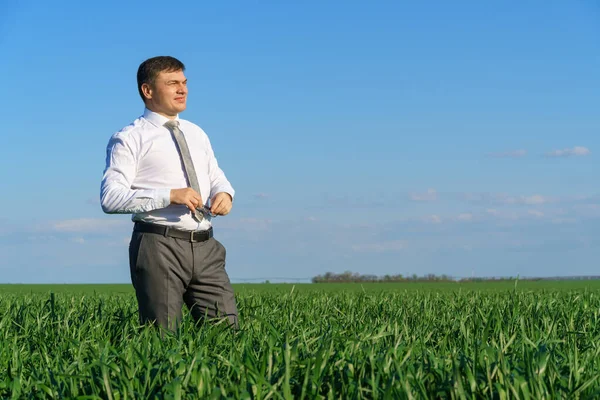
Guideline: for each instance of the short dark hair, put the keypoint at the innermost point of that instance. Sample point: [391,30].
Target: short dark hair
[149,70]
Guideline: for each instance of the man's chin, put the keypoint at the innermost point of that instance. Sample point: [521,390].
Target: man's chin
[179,108]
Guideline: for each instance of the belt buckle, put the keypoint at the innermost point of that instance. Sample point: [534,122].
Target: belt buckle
[192,237]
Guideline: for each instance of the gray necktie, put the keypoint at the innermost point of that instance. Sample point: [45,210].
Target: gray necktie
[184,152]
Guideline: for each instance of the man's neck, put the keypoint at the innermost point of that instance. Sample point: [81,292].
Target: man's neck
[161,113]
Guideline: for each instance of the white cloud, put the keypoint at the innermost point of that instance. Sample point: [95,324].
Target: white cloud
[433,219]
[588,210]
[391,245]
[244,224]
[79,240]
[262,195]
[430,195]
[536,213]
[535,199]
[465,217]
[510,154]
[42,238]
[505,215]
[574,151]
[586,198]
[503,198]
[89,225]
[561,220]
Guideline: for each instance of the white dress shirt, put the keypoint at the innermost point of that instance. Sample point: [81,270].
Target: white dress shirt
[143,165]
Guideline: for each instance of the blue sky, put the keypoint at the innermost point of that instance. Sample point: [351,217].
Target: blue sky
[376,137]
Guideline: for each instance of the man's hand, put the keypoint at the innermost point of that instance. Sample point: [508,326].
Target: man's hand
[221,203]
[186,196]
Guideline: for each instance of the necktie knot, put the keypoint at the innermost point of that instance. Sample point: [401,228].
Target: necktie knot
[172,123]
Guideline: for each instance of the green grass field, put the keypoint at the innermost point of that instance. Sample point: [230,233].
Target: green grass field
[398,340]
[393,286]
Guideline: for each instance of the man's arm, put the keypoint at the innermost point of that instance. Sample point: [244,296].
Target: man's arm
[116,195]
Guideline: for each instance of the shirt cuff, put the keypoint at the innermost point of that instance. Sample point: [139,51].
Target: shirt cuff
[162,197]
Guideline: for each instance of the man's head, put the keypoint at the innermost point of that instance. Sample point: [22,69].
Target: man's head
[163,85]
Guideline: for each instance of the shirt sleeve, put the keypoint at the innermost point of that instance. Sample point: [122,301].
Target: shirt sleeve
[218,180]
[116,193]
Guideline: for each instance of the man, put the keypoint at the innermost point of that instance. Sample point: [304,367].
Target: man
[152,168]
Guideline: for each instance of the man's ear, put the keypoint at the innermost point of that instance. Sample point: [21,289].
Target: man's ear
[147,91]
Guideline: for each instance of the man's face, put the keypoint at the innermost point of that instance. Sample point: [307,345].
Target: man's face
[168,94]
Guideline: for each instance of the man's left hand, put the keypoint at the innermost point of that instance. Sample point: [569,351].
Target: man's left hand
[221,203]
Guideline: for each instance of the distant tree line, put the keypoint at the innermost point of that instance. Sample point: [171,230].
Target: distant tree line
[347,277]
[356,277]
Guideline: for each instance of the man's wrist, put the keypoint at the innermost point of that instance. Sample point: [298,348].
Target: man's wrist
[226,192]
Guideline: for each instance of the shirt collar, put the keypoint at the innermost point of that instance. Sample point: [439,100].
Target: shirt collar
[155,118]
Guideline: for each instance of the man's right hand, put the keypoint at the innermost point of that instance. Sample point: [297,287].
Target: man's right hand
[186,196]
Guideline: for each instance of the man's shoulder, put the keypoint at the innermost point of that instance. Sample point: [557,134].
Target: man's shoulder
[128,131]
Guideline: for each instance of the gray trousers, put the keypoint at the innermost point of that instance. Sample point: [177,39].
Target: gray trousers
[168,272]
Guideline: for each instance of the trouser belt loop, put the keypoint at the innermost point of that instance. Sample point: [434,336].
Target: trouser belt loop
[166,231]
